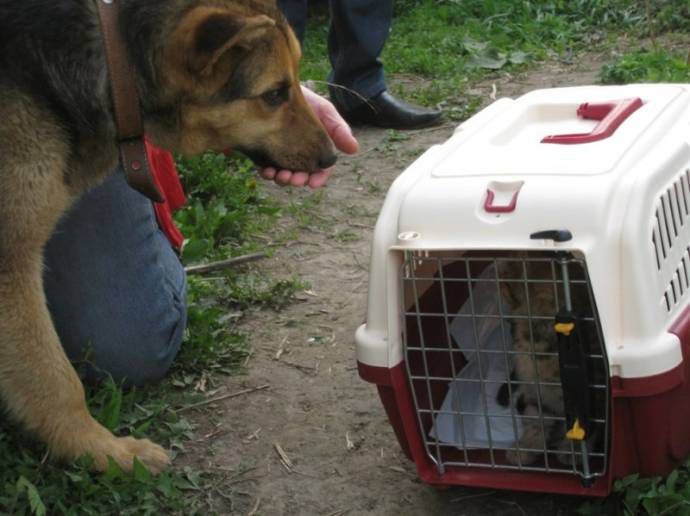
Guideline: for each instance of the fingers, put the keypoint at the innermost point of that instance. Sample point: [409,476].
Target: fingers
[298,179]
[268,173]
[319,179]
[283,177]
[336,127]
[344,140]
[292,178]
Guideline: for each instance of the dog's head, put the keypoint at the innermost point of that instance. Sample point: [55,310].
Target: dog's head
[230,71]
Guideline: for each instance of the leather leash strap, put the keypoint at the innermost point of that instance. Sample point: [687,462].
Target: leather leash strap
[130,128]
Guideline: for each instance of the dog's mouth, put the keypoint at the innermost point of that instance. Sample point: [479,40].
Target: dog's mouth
[261,159]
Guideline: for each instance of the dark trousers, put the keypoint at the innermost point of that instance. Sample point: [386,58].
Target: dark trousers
[358,31]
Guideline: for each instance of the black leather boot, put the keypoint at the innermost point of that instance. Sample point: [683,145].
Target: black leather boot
[385,110]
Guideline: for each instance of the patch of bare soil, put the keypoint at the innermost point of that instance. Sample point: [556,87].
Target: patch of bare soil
[343,456]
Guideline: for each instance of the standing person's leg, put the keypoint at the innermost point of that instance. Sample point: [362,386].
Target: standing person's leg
[115,287]
[358,32]
[296,13]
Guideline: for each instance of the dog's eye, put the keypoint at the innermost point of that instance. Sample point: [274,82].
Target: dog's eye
[277,96]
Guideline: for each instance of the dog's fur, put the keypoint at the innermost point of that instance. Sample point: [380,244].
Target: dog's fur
[212,74]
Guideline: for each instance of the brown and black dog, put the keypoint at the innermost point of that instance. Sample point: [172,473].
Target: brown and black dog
[212,74]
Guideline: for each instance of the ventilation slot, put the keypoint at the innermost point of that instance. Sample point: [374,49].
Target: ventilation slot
[670,239]
[679,286]
[670,218]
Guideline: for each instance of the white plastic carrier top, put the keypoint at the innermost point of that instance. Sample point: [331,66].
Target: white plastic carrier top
[609,163]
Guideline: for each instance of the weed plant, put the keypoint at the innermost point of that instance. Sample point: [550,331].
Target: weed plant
[656,65]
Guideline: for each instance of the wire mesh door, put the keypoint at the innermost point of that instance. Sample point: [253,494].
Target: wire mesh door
[506,361]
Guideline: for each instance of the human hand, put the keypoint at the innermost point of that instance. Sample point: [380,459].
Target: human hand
[339,132]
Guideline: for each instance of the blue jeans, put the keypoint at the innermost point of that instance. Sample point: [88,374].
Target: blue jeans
[115,287]
[357,34]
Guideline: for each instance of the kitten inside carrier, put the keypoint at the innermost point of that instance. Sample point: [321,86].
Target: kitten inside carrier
[483,359]
[535,377]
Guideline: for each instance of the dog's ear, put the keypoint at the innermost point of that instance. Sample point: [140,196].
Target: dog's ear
[219,34]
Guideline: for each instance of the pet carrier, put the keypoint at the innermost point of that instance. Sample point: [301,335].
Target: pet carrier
[528,321]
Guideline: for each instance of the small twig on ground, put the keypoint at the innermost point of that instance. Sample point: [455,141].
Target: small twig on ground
[201,384]
[242,473]
[316,314]
[221,398]
[305,369]
[225,496]
[281,349]
[247,358]
[348,442]
[359,264]
[216,391]
[253,436]
[224,264]
[432,128]
[469,497]
[284,459]
[293,243]
[215,433]
[505,502]
[255,509]
[242,480]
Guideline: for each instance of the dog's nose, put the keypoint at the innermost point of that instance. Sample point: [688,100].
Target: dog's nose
[327,161]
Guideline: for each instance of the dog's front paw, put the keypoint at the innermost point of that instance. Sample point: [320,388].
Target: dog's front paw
[123,450]
[148,453]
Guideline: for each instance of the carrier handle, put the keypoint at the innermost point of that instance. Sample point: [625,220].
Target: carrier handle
[490,207]
[610,114]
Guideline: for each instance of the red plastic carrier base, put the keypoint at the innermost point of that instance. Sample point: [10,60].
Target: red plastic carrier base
[650,430]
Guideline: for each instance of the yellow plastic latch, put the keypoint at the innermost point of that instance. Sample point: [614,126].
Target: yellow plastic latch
[564,328]
[576,433]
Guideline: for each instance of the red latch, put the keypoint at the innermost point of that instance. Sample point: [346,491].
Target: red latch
[611,114]
[506,208]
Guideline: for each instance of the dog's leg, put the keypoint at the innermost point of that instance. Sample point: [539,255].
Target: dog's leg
[41,388]
[37,382]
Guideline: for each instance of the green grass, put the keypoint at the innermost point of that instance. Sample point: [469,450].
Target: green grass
[224,210]
[444,45]
[657,65]
[28,485]
[634,496]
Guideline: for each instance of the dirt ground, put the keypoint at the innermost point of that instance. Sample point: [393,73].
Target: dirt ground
[329,422]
